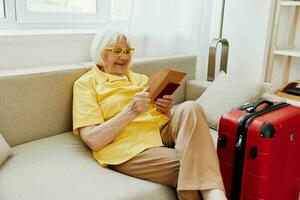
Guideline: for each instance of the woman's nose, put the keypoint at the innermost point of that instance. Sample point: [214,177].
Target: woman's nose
[123,56]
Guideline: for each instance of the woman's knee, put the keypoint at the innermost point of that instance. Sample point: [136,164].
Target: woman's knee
[192,106]
[194,110]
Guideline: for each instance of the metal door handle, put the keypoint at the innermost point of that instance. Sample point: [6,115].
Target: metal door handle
[212,57]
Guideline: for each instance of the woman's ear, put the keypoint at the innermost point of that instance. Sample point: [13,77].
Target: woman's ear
[104,56]
[98,61]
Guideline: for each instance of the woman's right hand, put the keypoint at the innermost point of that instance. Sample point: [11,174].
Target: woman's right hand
[141,102]
[98,136]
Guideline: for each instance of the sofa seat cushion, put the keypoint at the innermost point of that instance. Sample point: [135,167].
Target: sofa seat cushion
[61,167]
[5,150]
[214,135]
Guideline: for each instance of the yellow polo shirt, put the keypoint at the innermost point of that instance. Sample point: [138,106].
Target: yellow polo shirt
[99,96]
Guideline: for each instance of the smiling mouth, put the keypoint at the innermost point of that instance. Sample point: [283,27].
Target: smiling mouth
[120,64]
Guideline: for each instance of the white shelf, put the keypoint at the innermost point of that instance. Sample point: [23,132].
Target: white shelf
[288,52]
[290,3]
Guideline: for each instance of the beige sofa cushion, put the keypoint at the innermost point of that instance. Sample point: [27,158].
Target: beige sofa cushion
[214,135]
[227,92]
[37,105]
[195,88]
[61,167]
[5,150]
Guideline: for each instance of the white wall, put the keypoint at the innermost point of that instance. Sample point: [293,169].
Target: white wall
[247,28]
[43,50]
[246,25]
[213,32]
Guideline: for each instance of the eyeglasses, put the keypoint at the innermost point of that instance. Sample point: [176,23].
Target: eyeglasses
[118,50]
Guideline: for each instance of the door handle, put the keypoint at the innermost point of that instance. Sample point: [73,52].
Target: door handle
[212,57]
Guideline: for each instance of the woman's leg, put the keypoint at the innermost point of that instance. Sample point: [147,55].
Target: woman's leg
[158,164]
[189,133]
[162,164]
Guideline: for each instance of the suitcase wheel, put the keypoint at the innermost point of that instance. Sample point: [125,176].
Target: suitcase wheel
[222,141]
[253,152]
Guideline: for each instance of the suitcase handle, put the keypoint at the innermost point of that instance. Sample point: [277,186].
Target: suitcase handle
[259,103]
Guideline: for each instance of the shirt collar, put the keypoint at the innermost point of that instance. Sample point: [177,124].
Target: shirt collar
[106,76]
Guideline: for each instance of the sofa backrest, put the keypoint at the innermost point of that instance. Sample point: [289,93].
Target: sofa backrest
[37,103]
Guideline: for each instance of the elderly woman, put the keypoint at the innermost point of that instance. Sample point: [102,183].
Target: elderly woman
[114,116]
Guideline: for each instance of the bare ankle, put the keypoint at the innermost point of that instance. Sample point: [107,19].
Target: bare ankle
[213,194]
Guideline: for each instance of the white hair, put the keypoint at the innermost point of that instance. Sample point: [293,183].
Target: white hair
[103,39]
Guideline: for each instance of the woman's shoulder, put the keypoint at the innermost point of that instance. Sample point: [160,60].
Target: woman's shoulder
[138,78]
[85,78]
[138,75]
[89,78]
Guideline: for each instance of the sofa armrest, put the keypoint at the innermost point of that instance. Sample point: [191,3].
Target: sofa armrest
[195,88]
[273,97]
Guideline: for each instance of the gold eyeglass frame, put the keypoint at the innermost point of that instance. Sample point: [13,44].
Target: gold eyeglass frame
[123,50]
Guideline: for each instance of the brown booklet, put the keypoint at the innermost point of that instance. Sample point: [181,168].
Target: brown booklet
[165,82]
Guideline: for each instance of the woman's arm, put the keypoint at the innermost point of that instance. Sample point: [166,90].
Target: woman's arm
[98,136]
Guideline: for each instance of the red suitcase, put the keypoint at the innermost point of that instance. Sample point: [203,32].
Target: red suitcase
[259,151]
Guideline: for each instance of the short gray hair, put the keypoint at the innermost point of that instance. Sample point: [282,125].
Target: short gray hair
[103,39]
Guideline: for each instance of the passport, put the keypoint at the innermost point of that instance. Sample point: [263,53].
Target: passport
[165,82]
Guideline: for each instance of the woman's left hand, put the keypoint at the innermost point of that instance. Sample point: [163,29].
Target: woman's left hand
[164,104]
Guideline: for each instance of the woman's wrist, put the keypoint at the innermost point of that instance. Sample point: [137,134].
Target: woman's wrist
[168,113]
[131,114]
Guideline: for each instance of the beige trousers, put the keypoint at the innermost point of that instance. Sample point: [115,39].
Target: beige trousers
[188,162]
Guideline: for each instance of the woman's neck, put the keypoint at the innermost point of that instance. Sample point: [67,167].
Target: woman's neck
[100,67]
[115,74]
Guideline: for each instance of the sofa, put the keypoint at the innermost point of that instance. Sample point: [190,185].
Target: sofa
[49,162]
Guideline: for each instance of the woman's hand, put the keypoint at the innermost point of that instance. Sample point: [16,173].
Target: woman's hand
[164,104]
[141,102]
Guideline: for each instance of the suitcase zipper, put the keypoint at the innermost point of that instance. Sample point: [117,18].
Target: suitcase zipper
[239,143]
